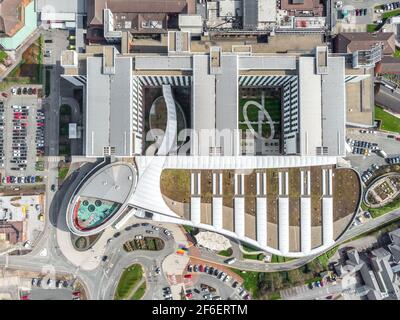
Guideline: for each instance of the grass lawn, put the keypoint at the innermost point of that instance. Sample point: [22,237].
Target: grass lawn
[62,173]
[381,211]
[280,259]
[324,258]
[387,15]
[272,105]
[250,281]
[397,53]
[3,56]
[130,277]
[226,253]
[175,184]
[249,248]
[275,296]
[188,229]
[388,122]
[139,293]
[259,257]
[372,27]
[252,111]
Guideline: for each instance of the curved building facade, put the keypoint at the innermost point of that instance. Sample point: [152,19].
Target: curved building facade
[99,200]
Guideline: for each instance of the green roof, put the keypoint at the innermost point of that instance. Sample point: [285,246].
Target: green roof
[12,43]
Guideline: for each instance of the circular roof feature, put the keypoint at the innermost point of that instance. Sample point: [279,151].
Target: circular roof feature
[100,199]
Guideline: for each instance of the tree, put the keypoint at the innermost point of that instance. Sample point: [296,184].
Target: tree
[295,277]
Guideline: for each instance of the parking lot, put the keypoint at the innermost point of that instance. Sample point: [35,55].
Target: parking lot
[23,134]
[362,162]
[204,282]
[50,289]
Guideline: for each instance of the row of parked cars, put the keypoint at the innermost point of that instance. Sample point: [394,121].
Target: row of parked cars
[369,173]
[24,91]
[20,180]
[388,7]
[220,275]
[393,160]
[51,283]
[40,122]
[2,155]
[19,138]
[362,147]
[360,12]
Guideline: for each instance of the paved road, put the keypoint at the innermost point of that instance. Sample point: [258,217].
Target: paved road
[119,260]
[388,98]
[53,102]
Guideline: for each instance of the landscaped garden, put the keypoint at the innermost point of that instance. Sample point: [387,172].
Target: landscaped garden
[30,68]
[147,243]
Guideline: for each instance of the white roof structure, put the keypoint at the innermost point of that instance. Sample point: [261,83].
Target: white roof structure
[239,216]
[283,225]
[195,210]
[57,6]
[217,212]
[268,63]
[262,220]
[327,221]
[109,105]
[114,182]
[310,107]
[212,241]
[305,222]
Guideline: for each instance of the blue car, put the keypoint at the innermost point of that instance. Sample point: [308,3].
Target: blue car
[33,179]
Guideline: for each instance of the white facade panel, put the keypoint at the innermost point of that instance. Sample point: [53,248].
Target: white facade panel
[217,212]
[305,223]
[327,221]
[195,209]
[283,227]
[239,216]
[261,206]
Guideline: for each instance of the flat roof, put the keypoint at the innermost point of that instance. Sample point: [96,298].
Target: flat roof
[57,6]
[310,107]
[204,111]
[109,107]
[268,63]
[227,104]
[112,183]
[162,63]
[334,107]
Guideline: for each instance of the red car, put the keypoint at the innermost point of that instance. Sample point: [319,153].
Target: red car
[76,293]
[25,297]
[201,268]
[8,179]
[187,276]
[5,95]
[189,295]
